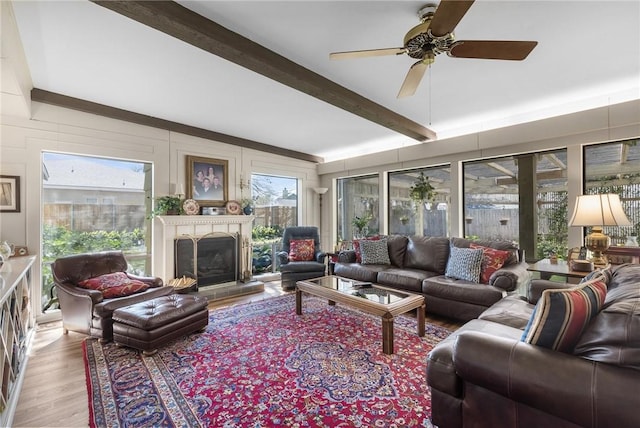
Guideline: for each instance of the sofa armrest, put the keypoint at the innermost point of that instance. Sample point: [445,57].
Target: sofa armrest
[584,392]
[76,292]
[512,277]
[152,281]
[537,286]
[347,256]
[283,257]
[321,256]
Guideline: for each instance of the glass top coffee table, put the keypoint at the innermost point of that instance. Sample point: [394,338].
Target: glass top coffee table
[371,298]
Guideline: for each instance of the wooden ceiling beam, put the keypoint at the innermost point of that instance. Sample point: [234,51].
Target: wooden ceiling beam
[177,21]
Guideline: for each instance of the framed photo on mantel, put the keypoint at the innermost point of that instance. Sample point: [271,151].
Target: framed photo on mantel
[207,181]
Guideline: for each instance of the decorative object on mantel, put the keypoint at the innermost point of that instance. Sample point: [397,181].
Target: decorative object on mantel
[10,193]
[247,206]
[207,180]
[167,205]
[191,207]
[422,191]
[233,208]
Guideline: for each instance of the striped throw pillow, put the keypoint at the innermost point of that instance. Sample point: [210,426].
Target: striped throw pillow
[560,316]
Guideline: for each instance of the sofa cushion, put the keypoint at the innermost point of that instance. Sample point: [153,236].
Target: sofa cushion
[358,250]
[613,336]
[301,250]
[427,253]
[357,271]
[405,279]
[459,290]
[397,247]
[513,311]
[464,263]
[492,260]
[560,316]
[374,252]
[498,245]
[116,284]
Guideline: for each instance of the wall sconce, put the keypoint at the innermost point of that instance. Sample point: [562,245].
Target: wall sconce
[244,182]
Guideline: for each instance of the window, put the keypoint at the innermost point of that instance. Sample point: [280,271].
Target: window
[358,207]
[410,217]
[553,217]
[106,205]
[615,168]
[275,201]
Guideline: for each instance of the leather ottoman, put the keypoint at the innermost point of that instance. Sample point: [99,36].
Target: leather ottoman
[148,325]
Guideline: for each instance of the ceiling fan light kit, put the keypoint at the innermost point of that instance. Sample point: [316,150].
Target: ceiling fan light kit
[434,35]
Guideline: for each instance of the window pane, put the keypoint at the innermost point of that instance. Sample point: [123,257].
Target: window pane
[491,199]
[411,217]
[358,200]
[275,202]
[615,168]
[94,204]
[553,218]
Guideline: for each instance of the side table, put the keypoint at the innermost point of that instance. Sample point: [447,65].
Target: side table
[548,269]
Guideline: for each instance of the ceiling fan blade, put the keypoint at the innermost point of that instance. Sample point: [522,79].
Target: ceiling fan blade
[367,53]
[413,78]
[492,49]
[447,16]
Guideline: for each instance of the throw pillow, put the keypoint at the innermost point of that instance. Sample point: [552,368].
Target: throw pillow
[464,263]
[116,284]
[492,260]
[301,250]
[560,316]
[356,246]
[375,252]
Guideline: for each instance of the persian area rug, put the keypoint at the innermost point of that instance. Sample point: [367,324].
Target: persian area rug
[261,365]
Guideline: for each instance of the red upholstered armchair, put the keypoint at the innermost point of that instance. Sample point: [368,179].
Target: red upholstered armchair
[87,310]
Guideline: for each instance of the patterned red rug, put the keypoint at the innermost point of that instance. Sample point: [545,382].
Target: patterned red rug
[260,365]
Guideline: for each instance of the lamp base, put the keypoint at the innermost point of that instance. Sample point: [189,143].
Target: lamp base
[597,242]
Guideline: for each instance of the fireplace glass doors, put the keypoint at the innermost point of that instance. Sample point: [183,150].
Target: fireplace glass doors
[216,259]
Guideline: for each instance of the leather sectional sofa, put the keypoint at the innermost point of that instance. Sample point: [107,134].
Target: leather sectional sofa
[418,265]
[483,375]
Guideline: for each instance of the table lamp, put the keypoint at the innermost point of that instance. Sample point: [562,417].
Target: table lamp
[596,211]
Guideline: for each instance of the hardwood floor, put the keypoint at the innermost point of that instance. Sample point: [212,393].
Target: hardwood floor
[54,393]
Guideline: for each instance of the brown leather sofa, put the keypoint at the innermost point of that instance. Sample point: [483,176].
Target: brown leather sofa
[418,265]
[86,311]
[483,375]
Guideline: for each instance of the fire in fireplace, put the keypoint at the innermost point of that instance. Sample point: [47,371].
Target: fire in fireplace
[216,259]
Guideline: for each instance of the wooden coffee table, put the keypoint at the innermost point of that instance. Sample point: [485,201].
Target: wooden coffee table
[373,299]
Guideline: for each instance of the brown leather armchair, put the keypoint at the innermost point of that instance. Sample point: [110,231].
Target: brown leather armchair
[87,311]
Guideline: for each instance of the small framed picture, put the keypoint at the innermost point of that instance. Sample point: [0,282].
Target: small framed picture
[9,193]
[207,180]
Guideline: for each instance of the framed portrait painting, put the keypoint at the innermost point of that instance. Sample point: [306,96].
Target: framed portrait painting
[207,180]
[10,193]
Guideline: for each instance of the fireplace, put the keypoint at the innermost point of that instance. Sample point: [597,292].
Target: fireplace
[210,259]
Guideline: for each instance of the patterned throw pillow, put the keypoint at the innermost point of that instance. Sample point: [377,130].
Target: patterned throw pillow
[356,246]
[301,250]
[116,284]
[492,260]
[560,316]
[375,252]
[464,263]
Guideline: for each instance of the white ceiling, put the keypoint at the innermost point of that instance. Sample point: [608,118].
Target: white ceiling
[588,56]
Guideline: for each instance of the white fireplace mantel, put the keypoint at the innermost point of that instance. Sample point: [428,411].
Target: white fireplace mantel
[168,228]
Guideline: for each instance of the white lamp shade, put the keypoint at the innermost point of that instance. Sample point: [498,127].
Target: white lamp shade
[320,190]
[599,210]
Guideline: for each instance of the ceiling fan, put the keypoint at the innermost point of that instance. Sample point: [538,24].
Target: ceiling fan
[434,35]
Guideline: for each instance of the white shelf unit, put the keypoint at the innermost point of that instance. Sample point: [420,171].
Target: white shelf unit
[17,327]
